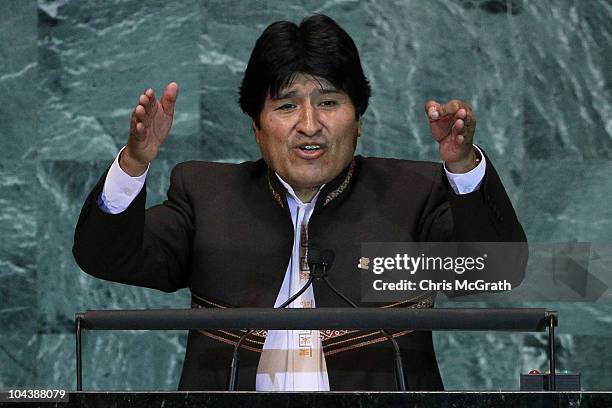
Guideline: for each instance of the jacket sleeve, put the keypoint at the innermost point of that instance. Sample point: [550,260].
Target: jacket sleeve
[149,248]
[484,216]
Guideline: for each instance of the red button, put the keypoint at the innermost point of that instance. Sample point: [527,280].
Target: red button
[533,372]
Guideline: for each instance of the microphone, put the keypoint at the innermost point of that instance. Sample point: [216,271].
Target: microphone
[325,259]
[316,259]
[320,259]
[319,262]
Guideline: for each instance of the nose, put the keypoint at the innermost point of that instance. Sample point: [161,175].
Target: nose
[308,122]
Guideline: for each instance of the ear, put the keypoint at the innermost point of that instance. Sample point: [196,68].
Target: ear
[255,132]
[359,126]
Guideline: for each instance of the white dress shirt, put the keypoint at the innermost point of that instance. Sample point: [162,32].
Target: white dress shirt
[291,360]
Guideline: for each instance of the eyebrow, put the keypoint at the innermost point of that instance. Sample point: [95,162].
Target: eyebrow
[293,94]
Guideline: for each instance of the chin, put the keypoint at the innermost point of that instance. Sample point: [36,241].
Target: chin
[304,180]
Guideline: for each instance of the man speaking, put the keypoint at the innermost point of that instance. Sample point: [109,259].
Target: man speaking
[237,235]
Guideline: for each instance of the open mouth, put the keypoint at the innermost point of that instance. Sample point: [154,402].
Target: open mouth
[310,148]
[310,151]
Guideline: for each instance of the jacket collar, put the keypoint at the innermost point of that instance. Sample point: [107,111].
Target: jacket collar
[328,193]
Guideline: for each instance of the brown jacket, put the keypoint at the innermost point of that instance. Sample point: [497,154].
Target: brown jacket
[225,232]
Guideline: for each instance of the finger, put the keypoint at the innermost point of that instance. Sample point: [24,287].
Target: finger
[141,130]
[144,102]
[141,116]
[169,97]
[140,113]
[150,106]
[457,131]
[466,115]
[450,108]
[137,128]
[459,126]
[461,116]
[432,109]
[147,101]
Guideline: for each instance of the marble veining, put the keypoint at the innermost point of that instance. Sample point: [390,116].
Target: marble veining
[536,73]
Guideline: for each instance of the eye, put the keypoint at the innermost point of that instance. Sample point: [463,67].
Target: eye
[286,106]
[329,103]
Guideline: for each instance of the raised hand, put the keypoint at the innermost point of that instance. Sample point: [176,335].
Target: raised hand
[150,125]
[452,126]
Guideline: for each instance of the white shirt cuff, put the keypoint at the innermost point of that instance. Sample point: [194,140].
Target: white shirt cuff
[464,183]
[120,189]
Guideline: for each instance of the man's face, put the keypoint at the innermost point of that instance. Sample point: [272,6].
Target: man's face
[309,133]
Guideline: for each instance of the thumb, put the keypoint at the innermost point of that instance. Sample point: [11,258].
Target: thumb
[168,99]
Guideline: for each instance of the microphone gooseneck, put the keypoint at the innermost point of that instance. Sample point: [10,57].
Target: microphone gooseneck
[232,381]
[326,258]
[319,262]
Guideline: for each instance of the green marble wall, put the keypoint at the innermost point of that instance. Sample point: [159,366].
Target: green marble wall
[536,73]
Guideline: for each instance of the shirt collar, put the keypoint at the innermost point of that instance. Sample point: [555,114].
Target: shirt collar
[332,191]
[291,193]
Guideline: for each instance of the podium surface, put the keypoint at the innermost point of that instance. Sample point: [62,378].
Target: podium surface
[328,399]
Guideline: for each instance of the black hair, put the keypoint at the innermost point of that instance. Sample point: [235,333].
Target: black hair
[318,47]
